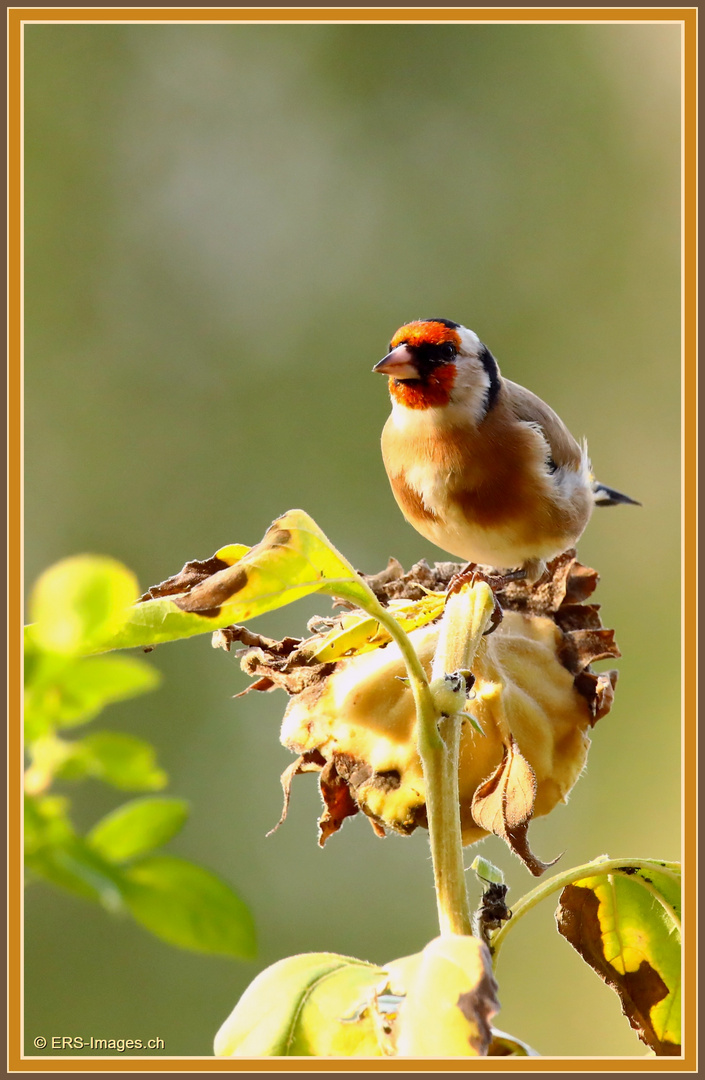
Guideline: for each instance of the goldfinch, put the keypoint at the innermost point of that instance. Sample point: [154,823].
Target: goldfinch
[478,464]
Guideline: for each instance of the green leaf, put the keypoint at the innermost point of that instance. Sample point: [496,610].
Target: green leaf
[294,559]
[79,602]
[188,906]
[451,997]
[81,689]
[46,822]
[43,672]
[137,827]
[124,761]
[312,1005]
[626,926]
[39,665]
[72,865]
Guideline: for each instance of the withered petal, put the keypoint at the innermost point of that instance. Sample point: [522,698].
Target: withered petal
[578,617]
[263,685]
[582,647]
[504,805]
[582,582]
[598,691]
[338,800]
[311,761]
[291,673]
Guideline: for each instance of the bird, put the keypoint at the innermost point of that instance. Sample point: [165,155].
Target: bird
[478,464]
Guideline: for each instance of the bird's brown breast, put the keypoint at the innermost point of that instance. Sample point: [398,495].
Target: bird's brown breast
[492,474]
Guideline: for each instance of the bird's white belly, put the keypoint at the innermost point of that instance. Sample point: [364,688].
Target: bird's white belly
[492,547]
[454,532]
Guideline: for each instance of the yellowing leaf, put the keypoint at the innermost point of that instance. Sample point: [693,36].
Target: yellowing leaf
[294,559]
[358,633]
[313,1005]
[232,553]
[626,926]
[450,1000]
[355,634]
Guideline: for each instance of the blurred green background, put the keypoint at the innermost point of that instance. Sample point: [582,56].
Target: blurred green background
[224,226]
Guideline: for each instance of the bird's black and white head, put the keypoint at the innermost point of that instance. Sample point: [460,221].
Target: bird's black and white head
[436,363]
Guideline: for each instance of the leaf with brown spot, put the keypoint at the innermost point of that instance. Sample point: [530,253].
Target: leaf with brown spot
[449,1000]
[504,805]
[293,560]
[626,926]
[191,574]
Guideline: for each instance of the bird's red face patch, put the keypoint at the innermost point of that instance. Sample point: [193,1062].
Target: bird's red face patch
[434,389]
[419,332]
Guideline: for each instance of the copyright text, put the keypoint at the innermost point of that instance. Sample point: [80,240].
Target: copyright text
[78,1042]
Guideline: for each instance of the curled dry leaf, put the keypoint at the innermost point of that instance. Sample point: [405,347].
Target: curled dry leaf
[535,697]
[504,805]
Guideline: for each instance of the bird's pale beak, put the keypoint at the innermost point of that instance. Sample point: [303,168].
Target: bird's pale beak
[400,363]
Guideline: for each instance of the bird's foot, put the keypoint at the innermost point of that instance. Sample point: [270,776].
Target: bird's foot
[470,574]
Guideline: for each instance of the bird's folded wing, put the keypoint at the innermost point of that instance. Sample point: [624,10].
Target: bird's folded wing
[565,451]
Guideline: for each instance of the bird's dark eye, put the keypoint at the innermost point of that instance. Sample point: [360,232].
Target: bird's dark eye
[448,351]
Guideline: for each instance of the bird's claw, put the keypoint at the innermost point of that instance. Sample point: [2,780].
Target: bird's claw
[472,573]
[495,618]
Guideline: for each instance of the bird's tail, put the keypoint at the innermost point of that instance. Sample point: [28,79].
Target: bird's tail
[605,496]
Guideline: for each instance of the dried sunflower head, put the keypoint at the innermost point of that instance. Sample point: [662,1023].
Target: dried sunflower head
[351,717]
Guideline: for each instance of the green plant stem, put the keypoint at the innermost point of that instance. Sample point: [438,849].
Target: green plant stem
[440,769]
[465,619]
[598,867]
